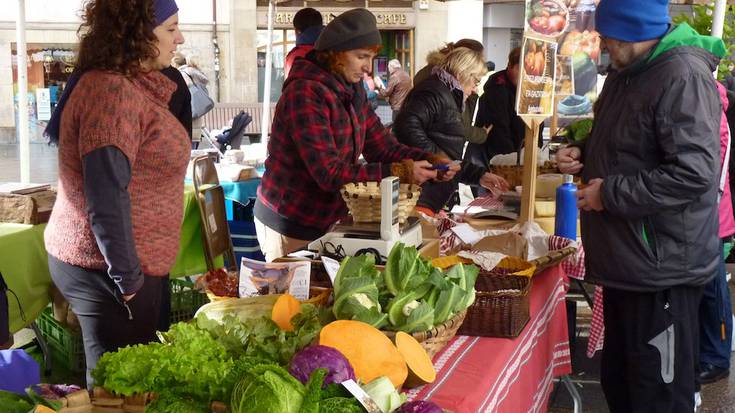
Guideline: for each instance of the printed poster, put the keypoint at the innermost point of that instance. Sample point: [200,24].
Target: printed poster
[564,76]
[538,72]
[581,44]
[262,278]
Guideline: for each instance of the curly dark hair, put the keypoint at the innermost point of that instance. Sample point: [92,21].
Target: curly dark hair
[116,35]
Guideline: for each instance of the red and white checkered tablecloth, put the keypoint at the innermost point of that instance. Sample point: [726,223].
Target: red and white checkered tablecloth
[489,375]
[573,267]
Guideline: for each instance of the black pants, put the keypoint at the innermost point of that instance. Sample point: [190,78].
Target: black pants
[107,322]
[651,353]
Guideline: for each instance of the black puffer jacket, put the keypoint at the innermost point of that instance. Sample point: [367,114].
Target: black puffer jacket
[431,119]
[656,144]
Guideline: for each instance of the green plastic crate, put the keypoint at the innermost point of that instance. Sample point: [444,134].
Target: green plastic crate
[66,346]
[185,300]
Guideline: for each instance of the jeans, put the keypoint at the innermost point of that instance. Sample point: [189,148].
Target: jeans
[106,320]
[715,321]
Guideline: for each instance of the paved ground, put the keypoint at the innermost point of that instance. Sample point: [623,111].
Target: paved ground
[43,163]
[718,397]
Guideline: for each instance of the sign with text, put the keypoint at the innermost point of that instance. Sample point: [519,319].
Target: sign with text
[537,74]
[386,18]
[43,103]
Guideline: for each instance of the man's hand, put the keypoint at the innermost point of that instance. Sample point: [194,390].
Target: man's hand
[127,298]
[568,160]
[590,198]
[422,172]
[494,183]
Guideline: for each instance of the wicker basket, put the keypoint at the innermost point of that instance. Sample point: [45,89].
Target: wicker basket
[514,173]
[502,310]
[552,258]
[363,201]
[438,337]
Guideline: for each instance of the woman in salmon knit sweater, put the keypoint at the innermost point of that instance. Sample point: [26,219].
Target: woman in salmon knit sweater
[114,231]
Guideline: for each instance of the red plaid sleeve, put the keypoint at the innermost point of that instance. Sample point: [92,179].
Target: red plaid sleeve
[382,146]
[307,111]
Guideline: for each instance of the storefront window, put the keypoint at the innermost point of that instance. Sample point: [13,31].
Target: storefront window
[283,42]
[49,69]
[397,44]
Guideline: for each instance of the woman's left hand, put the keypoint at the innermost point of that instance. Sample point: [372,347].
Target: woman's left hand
[494,183]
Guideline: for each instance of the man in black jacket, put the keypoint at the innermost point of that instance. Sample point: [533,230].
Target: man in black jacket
[649,211]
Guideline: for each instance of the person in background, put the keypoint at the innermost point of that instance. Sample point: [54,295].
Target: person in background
[308,25]
[321,127]
[715,311]
[369,84]
[490,71]
[649,210]
[180,103]
[431,120]
[114,230]
[472,134]
[399,84]
[436,57]
[497,113]
[193,75]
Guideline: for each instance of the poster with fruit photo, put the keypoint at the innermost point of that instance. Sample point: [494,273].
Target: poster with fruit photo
[581,43]
[547,18]
[538,72]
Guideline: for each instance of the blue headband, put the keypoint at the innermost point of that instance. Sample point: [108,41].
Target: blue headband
[163,9]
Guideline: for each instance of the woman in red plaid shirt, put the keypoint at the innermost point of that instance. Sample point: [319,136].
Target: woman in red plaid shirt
[322,125]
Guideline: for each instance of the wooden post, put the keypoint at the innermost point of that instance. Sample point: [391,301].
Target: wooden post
[530,161]
[554,118]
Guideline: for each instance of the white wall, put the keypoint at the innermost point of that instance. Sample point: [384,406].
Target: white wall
[464,20]
[430,32]
[497,46]
[503,15]
[499,19]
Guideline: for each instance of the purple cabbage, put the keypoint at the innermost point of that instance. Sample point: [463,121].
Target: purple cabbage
[315,357]
[419,406]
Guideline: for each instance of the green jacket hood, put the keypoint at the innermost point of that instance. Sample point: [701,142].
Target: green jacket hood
[684,35]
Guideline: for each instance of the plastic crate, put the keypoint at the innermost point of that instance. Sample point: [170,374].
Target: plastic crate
[66,346]
[244,241]
[185,300]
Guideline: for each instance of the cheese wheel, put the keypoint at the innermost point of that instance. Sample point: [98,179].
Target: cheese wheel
[546,185]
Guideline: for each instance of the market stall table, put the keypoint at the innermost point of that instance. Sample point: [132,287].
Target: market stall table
[480,374]
[24,265]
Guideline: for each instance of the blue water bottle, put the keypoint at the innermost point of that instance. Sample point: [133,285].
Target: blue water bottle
[566,209]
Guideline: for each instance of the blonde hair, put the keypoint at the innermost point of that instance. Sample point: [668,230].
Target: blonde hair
[464,64]
[193,61]
[178,60]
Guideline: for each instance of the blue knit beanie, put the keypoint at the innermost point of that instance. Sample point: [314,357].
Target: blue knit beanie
[633,20]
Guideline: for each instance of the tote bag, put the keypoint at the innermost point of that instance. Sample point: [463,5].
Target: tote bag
[201,103]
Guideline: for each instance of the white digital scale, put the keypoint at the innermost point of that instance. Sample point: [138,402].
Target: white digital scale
[356,237]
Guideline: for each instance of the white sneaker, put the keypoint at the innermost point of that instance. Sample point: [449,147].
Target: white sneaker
[697,401]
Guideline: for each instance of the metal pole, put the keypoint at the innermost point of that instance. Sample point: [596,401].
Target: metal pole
[215,43]
[25,155]
[265,120]
[718,18]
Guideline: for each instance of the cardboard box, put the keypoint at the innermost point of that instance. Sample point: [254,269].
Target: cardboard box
[34,208]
